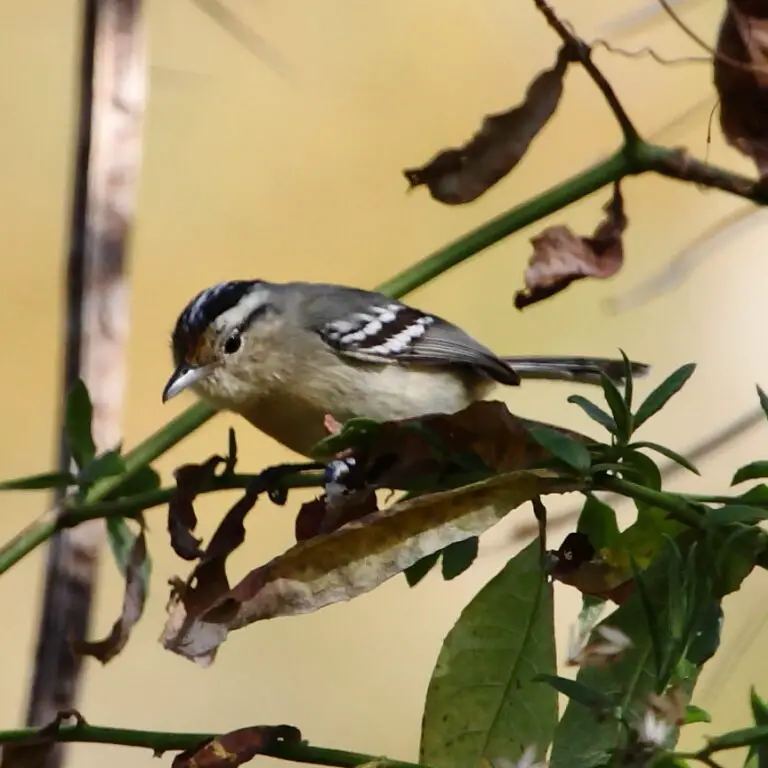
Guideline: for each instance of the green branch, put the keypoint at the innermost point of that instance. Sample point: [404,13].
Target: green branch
[677,506]
[161,741]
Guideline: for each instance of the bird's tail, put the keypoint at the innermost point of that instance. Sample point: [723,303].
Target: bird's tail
[581,369]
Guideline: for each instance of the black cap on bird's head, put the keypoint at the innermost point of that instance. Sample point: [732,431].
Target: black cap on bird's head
[201,312]
[191,327]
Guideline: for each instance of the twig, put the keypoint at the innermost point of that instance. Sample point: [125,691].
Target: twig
[735,63]
[583,53]
[649,53]
[49,524]
[162,741]
[254,43]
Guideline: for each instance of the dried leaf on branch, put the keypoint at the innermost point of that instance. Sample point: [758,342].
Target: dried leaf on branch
[461,175]
[561,257]
[237,747]
[741,79]
[441,449]
[134,598]
[348,562]
[192,479]
[577,564]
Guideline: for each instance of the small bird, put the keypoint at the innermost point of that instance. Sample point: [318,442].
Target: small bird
[286,356]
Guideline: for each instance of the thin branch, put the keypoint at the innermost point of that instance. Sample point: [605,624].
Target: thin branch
[649,53]
[583,53]
[253,42]
[162,741]
[715,54]
[49,524]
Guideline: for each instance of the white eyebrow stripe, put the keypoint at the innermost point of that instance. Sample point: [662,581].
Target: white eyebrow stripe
[237,314]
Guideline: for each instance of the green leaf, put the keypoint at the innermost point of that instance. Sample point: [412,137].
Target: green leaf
[694,714]
[763,400]
[581,741]
[645,466]
[574,690]
[669,453]
[483,700]
[77,426]
[562,447]
[121,539]
[421,568]
[594,412]
[39,482]
[759,708]
[459,556]
[657,646]
[744,737]
[621,414]
[757,495]
[705,638]
[662,394]
[628,382]
[144,480]
[758,755]
[107,464]
[752,471]
[736,557]
[597,522]
[355,432]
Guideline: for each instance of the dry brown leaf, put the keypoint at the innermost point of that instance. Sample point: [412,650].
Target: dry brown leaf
[560,257]
[34,752]
[328,512]
[461,175]
[134,597]
[577,564]
[741,79]
[237,747]
[441,448]
[352,560]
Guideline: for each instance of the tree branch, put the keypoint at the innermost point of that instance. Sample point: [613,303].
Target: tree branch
[583,53]
[162,741]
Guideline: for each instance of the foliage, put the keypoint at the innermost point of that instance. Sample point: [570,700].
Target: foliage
[493,695]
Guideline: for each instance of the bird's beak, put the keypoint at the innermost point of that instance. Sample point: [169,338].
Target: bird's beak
[184,377]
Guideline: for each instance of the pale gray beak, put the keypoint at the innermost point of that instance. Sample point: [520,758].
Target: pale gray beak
[184,377]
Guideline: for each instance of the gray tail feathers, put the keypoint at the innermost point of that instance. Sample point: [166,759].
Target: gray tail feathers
[581,369]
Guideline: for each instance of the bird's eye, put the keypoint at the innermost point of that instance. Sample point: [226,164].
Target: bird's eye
[232,344]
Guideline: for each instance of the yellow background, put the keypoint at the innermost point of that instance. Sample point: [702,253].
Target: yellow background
[294,171]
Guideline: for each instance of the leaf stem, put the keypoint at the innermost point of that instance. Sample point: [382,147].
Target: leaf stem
[678,507]
[161,741]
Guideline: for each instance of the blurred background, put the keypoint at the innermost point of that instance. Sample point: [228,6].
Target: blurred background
[289,167]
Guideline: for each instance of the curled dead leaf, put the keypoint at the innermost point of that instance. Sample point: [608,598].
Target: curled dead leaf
[135,595]
[561,257]
[329,512]
[191,480]
[237,747]
[440,451]
[463,174]
[352,560]
[741,79]
[577,564]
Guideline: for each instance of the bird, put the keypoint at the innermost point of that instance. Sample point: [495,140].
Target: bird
[287,356]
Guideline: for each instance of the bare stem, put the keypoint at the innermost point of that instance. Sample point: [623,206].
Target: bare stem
[162,741]
[583,53]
